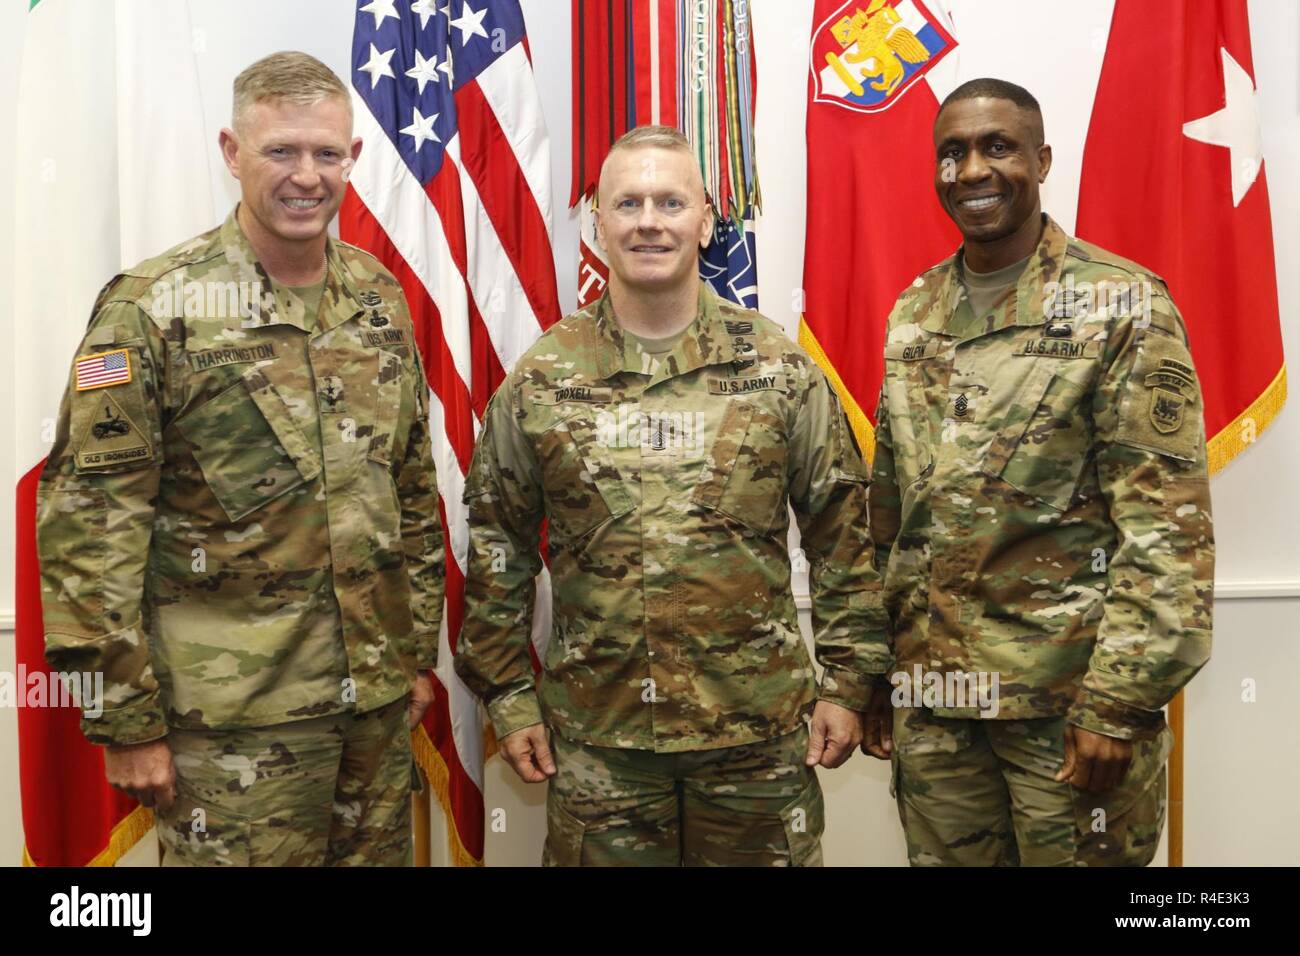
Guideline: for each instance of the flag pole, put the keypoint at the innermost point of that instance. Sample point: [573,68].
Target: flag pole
[1176,782]
[421,821]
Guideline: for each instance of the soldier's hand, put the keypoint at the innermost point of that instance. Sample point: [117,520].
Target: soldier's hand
[878,725]
[143,771]
[1093,761]
[833,735]
[421,698]
[528,752]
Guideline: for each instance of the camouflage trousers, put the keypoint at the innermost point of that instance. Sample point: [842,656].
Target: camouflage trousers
[981,793]
[328,791]
[750,805]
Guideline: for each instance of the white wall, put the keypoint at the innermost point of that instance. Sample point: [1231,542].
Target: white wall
[1241,765]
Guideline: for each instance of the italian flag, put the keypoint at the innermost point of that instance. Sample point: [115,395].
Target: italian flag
[111,167]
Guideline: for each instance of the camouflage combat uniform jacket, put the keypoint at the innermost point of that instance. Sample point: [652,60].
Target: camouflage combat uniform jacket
[666,492]
[1040,493]
[244,531]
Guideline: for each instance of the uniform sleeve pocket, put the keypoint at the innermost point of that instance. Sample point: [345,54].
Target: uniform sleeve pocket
[248,447]
[1161,409]
[745,475]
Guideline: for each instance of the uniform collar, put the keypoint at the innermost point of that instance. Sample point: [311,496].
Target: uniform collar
[1025,308]
[707,341]
[277,304]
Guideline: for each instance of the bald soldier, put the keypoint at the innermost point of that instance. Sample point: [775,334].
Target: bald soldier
[1041,507]
[238,522]
[662,433]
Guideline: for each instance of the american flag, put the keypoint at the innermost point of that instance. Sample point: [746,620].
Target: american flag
[105,368]
[452,193]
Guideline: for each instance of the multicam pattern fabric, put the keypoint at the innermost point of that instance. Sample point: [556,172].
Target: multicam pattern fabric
[666,493]
[751,805]
[1040,503]
[246,532]
[330,791]
[982,793]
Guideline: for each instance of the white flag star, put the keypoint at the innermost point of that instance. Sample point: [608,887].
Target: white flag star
[1236,126]
[424,70]
[378,65]
[425,9]
[470,23]
[381,9]
[421,129]
[445,65]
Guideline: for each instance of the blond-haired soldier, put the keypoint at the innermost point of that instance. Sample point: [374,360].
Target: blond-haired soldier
[662,433]
[238,521]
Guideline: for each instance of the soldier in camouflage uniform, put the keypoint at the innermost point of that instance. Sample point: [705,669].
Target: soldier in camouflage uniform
[1041,510]
[238,521]
[676,682]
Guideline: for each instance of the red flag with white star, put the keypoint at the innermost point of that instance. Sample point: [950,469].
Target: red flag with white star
[1186,196]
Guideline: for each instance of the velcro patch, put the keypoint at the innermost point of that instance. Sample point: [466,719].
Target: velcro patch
[747,384]
[103,369]
[573,393]
[914,351]
[381,337]
[111,438]
[1059,348]
[234,355]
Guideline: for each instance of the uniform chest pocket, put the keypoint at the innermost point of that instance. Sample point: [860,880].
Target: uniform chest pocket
[389,407]
[248,446]
[1042,438]
[583,488]
[744,476]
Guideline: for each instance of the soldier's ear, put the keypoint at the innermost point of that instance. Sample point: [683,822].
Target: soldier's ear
[1044,161]
[706,227]
[229,150]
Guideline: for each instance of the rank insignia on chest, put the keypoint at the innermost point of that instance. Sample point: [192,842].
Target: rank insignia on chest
[961,405]
[331,393]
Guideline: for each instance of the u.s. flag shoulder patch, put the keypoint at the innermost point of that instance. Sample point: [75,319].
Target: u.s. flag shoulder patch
[103,369]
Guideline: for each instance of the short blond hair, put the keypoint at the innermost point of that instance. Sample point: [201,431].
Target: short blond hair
[661,137]
[288,75]
[653,137]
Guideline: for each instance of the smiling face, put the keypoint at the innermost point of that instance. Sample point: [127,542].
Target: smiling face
[290,160]
[653,218]
[989,162]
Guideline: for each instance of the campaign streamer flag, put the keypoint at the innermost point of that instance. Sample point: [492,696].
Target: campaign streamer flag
[873,223]
[1189,200]
[682,63]
[128,179]
[452,193]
